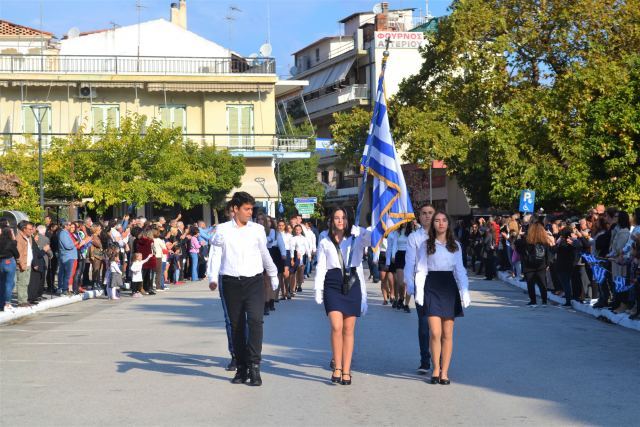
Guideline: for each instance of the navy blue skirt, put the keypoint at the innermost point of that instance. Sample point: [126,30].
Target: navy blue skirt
[348,305]
[441,295]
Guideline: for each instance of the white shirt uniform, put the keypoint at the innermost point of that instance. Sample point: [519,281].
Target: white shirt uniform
[414,241]
[240,252]
[441,260]
[300,245]
[328,260]
[311,242]
[286,237]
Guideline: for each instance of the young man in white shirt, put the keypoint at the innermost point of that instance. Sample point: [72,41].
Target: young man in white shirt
[414,241]
[239,254]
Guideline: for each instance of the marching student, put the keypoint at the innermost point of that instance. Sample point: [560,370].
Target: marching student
[397,251]
[240,255]
[299,247]
[442,289]
[414,241]
[342,288]
[289,272]
[283,267]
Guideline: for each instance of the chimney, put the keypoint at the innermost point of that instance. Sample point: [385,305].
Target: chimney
[179,14]
[382,19]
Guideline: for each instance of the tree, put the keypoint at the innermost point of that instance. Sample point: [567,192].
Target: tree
[349,132]
[298,178]
[19,180]
[507,97]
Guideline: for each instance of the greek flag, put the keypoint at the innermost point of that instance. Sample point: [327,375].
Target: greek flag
[590,259]
[390,206]
[599,274]
[620,283]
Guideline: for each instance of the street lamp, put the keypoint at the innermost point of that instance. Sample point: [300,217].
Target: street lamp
[39,111]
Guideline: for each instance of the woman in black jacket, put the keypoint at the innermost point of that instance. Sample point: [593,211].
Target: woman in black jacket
[565,260]
[8,256]
[489,249]
[536,257]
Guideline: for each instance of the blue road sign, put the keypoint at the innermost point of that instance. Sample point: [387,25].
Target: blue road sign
[527,201]
[303,200]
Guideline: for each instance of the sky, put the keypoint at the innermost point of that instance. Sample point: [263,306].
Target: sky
[240,25]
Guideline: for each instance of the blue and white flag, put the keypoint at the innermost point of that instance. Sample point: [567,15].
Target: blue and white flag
[590,259]
[391,206]
[599,274]
[621,284]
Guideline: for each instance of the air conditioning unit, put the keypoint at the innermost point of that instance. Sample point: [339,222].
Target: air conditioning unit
[87,91]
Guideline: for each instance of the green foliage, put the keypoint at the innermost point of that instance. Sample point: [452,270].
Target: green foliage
[349,132]
[539,94]
[129,165]
[298,178]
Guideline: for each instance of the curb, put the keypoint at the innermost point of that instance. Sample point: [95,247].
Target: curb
[618,319]
[20,312]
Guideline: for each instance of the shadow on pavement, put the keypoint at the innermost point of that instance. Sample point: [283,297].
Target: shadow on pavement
[172,363]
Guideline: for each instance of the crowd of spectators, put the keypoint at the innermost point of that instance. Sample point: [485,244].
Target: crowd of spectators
[592,258]
[65,258]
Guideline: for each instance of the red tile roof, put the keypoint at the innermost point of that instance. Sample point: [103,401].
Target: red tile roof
[9,29]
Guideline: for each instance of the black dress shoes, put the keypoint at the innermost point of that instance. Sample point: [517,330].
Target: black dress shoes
[434,380]
[242,374]
[232,365]
[444,381]
[254,375]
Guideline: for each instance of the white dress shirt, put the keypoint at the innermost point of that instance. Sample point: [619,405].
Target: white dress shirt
[441,260]
[298,244]
[397,241]
[240,252]
[414,241]
[328,259]
[286,237]
[311,242]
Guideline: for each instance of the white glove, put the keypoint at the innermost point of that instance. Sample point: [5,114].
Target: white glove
[319,293]
[363,307]
[355,230]
[411,288]
[466,299]
[275,283]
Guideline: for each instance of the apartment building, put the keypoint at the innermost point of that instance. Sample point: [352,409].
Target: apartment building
[158,69]
[342,72]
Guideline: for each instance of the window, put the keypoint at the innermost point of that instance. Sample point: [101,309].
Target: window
[240,126]
[174,116]
[30,124]
[318,54]
[104,116]
[325,177]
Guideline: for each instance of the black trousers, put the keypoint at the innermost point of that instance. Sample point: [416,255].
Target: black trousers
[244,297]
[147,285]
[52,272]
[536,278]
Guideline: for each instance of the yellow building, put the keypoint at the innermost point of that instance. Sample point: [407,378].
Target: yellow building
[158,69]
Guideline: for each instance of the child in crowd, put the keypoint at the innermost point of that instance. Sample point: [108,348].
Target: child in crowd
[115,281]
[136,274]
[174,262]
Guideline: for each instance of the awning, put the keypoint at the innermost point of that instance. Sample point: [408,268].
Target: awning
[42,83]
[209,87]
[4,84]
[114,85]
[329,76]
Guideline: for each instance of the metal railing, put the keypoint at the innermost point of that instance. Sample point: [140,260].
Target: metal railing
[231,142]
[152,65]
[337,97]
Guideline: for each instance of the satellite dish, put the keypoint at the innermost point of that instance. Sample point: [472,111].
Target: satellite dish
[73,33]
[252,59]
[377,8]
[265,50]
[293,70]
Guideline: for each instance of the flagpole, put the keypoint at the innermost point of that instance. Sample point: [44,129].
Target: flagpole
[365,163]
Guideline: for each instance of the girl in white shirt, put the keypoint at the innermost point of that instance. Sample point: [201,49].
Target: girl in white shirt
[283,266]
[136,273]
[289,271]
[397,250]
[442,289]
[299,246]
[344,299]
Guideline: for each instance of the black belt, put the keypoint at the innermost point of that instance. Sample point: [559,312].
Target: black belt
[224,276]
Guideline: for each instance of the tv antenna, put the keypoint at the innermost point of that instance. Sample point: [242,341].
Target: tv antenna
[234,8]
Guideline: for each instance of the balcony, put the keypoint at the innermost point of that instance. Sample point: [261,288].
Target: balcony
[334,101]
[260,144]
[134,65]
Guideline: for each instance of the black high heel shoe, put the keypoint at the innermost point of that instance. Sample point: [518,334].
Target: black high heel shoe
[444,381]
[434,380]
[337,379]
[346,382]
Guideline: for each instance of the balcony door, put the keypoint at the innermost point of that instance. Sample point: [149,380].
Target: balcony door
[30,124]
[240,126]
[104,116]
[174,116]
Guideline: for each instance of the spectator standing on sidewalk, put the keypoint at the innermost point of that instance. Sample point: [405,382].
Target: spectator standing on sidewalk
[67,256]
[38,270]
[8,265]
[536,257]
[25,250]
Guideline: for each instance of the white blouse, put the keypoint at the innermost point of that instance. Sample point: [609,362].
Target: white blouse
[441,260]
[286,237]
[298,244]
[327,257]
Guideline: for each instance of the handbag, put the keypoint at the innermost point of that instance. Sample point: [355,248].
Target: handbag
[348,277]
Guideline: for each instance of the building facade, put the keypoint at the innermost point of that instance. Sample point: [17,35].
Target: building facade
[158,69]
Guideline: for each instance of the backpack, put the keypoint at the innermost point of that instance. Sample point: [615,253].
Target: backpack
[536,256]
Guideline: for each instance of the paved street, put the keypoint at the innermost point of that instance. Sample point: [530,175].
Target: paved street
[160,361]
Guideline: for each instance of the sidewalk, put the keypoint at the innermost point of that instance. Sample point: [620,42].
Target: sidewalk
[20,312]
[618,319]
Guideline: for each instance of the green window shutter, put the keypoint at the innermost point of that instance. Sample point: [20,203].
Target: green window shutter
[29,125]
[246,119]
[98,119]
[180,118]
[112,116]
[234,121]
[165,116]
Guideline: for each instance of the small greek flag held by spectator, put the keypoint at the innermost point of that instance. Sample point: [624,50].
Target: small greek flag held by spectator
[620,283]
[390,206]
[590,259]
[599,274]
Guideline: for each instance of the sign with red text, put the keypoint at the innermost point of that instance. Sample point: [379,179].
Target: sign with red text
[398,40]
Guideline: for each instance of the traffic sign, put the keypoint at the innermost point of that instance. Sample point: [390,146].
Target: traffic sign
[305,208]
[298,200]
[527,201]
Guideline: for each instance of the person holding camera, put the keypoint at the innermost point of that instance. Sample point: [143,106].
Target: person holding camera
[340,284]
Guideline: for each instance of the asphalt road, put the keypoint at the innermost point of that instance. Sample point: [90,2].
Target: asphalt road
[160,361]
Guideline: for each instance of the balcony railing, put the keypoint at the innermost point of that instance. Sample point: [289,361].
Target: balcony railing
[231,142]
[144,65]
[340,96]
